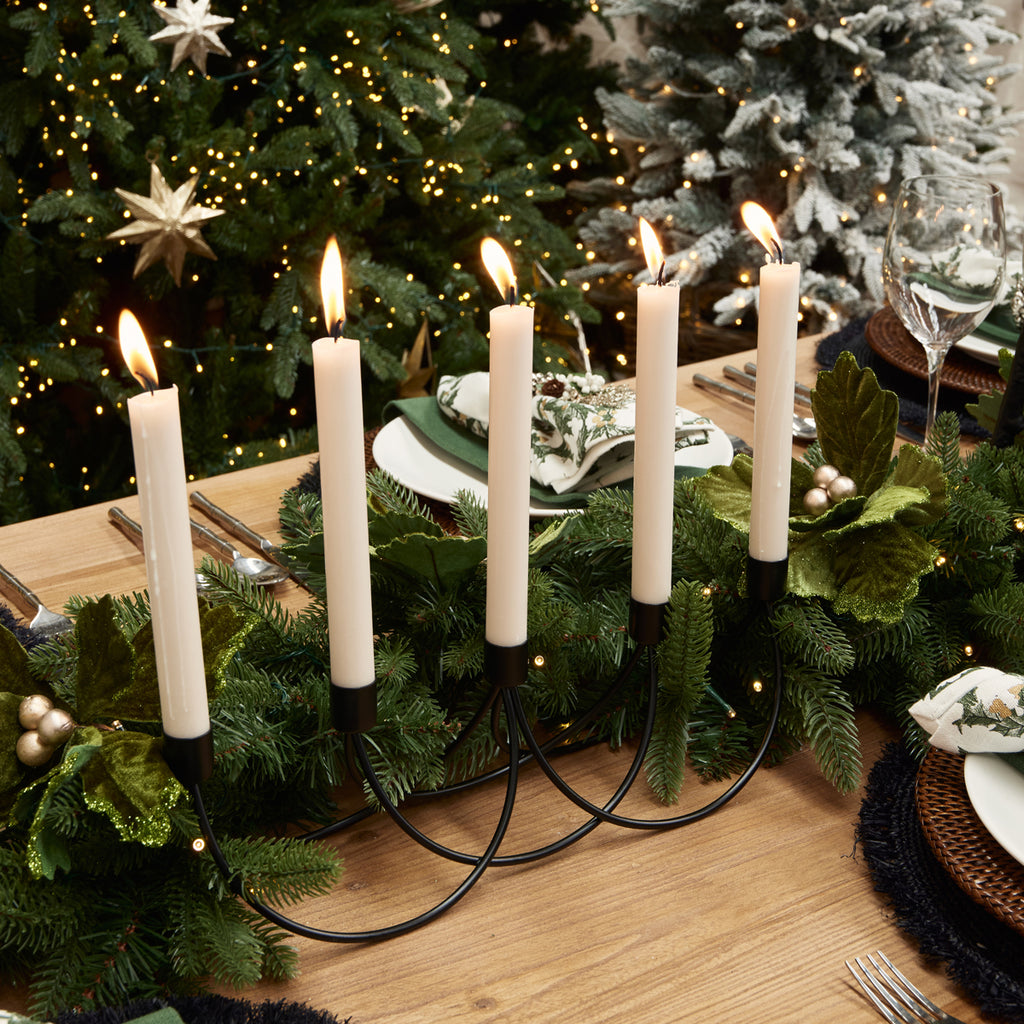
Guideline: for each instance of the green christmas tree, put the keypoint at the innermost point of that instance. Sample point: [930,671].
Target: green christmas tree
[372,121]
[816,109]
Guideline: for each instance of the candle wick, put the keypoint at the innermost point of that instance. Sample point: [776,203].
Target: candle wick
[660,280]
[336,328]
[777,255]
[147,382]
[511,294]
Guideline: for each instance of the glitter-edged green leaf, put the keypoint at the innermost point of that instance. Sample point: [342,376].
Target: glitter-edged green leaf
[104,685]
[856,422]
[128,781]
[878,570]
[916,468]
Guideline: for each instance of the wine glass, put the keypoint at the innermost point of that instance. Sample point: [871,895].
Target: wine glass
[944,261]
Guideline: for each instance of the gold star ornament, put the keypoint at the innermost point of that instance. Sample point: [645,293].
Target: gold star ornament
[193,31]
[167,226]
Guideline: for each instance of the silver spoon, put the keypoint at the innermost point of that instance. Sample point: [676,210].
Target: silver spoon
[133,532]
[239,530]
[258,570]
[45,624]
[804,428]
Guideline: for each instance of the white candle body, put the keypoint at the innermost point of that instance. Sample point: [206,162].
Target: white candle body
[508,474]
[657,345]
[170,571]
[339,418]
[773,411]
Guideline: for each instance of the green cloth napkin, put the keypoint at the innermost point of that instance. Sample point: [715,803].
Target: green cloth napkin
[424,414]
[1000,326]
[166,1015]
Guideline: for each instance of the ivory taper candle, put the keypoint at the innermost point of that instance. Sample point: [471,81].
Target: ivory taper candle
[339,418]
[508,456]
[778,306]
[657,343]
[167,542]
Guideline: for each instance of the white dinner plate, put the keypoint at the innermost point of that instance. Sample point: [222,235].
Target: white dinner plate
[996,792]
[981,348]
[421,465]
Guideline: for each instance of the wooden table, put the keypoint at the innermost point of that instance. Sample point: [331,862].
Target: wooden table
[747,915]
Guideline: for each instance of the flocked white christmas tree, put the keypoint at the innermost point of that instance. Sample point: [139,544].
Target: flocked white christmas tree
[814,108]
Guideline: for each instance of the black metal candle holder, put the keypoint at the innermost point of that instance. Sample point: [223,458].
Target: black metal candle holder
[505,669]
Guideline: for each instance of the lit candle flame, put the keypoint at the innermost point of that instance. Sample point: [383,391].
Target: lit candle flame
[135,350]
[332,288]
[499,266]
[761,227]
[652,252]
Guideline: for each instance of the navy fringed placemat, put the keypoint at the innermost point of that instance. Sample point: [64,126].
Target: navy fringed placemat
[981,953]
[207,1009]
[911,391]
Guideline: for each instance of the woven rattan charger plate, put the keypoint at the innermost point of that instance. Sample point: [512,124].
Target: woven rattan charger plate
[962,845]
[888,338]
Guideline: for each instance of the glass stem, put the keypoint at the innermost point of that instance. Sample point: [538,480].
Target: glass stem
[936,359]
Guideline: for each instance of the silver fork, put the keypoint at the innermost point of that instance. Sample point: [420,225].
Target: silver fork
[45,624]
[895,998]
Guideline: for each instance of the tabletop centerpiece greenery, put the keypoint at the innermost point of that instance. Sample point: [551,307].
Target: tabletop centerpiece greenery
[103,897]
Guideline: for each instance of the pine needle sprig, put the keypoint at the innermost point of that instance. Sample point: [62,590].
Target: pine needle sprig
[805,630]
[35,915]
[944,442]
[998,616]
[470,514]
[389,497]
[829,725]
[283,871]
[683,657]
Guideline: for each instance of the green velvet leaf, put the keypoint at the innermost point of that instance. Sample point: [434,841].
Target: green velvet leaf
[834,518]
[129,782]
[877,570]
[14,672]
[916,468]
[809,573]
[104,681]
[727,490]
[223,633]
[13,774]
[884,505]
[16,683]
[441,558]
[801,481]
[46,851]
[856,422]
[393,526]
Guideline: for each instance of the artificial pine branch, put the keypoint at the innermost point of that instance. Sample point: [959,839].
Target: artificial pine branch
[829,725]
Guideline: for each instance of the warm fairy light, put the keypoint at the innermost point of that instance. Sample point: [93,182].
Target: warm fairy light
[652,251]
[499,266]
[761,227]
[135,350]
[332,288]
[757,686]
[940,561]
[968,650]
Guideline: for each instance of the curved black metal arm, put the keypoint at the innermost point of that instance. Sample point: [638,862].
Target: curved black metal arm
[480,863]
[605,814]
